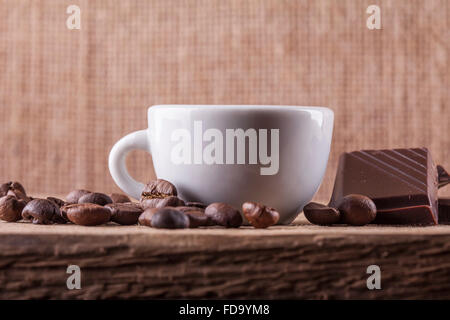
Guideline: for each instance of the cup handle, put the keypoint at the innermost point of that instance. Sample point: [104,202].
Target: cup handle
[117,165]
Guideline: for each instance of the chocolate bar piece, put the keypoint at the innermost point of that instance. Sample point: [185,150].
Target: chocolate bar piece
[444,210]
[443,176]
[403,184]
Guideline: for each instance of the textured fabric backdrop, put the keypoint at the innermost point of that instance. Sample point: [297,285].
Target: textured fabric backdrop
[67,95]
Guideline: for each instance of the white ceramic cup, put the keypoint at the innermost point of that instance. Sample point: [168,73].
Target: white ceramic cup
[275,155]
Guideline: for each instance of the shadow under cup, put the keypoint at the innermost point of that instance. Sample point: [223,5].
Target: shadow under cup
[275,155]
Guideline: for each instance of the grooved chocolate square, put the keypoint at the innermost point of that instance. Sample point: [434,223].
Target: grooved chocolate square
[403,183]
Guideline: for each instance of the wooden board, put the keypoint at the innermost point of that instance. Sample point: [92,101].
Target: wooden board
[298,261]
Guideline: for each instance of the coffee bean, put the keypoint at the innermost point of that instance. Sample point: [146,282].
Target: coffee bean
[155,191]
[87,214]
[96,198]
[11,185]
[75,195]
[126,213]
[159,188]
[42,211]
[60,203]
[198,219]
[224,215]
[186,209]
[196,215]
[119,198]
[196,204]
[321,214]
[18,195]
[145,218]
[169,218]
[259,215]
[170,201]
[11,208]
[357,209]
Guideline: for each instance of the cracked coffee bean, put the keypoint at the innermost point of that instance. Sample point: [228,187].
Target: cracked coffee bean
[96,198]
[60,203]
[156,191]
[321,214]
[87,214]
[11,208]
[74,195]
[169,218]
[42,211]
[125,213]
[224,215]
[357,210]
[259,215]
[145,219]
[119,198]
[13,186]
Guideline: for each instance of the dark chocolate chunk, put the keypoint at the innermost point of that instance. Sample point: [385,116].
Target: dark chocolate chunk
[444,210]
[443,176]
[402,183]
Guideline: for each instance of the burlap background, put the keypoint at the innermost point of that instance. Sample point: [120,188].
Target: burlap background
[67,95]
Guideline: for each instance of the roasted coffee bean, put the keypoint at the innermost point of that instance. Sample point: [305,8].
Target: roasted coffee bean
[87,214]
[169,218]
[63,211]
[196,215]
[19,195]
[75,195]
[11,208]
[171,201]
[11,185]
[357,209]
[159,188]
[42,211]
[60,203]
[196,204]
[198,219]
[119,198]
[125,213]
[145,218]
[186,209]
[321,214]
[259,215]
[96,198]
[224,215]
[155,191]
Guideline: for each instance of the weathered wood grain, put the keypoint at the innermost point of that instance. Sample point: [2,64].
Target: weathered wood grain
[300,261]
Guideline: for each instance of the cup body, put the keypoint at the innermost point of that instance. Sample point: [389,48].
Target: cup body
[276,155]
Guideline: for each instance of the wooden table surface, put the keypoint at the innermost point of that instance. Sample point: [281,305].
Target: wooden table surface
[297,261]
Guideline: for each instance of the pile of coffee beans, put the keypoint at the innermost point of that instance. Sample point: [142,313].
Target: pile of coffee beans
[353,209]
[159,207]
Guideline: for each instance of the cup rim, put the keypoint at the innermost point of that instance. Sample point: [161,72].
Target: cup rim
[243,107]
